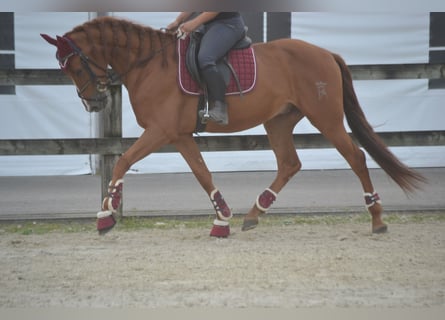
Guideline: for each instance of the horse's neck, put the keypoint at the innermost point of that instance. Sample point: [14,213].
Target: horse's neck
[143,50]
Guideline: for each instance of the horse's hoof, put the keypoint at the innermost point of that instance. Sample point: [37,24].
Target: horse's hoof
[105,222]
[381,229]
[221,229]
[104,231]
[249,224]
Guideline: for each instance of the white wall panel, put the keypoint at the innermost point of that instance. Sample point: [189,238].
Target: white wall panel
[43,111]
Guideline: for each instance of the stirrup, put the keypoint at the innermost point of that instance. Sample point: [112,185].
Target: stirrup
[219,114]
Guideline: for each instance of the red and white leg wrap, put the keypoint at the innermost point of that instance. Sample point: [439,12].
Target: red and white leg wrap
[371,199]
[265,200]
[222,210]
[105,220]
[221,229]
[113,201]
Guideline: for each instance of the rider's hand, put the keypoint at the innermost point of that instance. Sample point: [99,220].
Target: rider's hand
[189,26]
[173,26]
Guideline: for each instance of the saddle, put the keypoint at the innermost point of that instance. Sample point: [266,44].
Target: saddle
[224,65]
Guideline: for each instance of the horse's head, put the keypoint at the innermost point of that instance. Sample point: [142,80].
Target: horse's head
[90,77]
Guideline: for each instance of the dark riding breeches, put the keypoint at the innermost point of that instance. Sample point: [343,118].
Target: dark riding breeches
[219,37]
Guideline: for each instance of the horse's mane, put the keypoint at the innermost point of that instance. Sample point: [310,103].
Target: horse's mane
[148,39]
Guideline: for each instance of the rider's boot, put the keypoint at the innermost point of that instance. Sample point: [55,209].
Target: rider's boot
[216,88]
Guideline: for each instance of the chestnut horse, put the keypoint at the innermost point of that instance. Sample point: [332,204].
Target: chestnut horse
[295,79]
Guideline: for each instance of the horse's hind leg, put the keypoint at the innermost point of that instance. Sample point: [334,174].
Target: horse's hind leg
[189,150]
[280,134]
[357,160]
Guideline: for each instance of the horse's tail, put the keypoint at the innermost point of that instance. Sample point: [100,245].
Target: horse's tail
[406,178]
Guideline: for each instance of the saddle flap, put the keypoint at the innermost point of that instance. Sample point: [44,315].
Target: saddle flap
[191,56]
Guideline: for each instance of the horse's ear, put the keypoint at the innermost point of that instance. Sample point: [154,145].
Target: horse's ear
[49,39]
[61,40]
[63,46]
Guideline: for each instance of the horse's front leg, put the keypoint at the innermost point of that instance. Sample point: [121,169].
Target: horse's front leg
[189,150]
[150,141]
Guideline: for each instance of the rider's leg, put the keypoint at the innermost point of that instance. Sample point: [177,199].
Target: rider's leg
[219,37]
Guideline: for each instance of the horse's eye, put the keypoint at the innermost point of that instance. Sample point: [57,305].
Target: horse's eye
[78,72]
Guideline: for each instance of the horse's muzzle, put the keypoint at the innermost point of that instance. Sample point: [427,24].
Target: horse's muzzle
[96,103]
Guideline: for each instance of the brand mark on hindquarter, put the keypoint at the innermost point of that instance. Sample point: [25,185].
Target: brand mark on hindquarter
[321,89]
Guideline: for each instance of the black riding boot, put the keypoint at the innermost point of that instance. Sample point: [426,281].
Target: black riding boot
[216,88]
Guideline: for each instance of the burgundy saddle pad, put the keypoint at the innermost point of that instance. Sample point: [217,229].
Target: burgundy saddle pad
[242,60]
